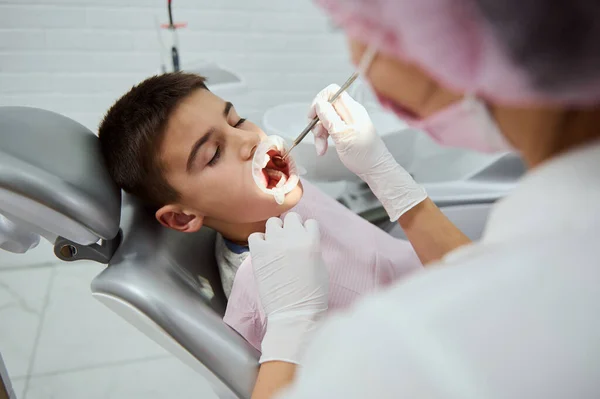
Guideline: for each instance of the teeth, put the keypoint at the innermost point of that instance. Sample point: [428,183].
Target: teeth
[274,173]
[277,175]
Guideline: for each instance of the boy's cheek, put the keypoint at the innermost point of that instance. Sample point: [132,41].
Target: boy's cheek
[292,198]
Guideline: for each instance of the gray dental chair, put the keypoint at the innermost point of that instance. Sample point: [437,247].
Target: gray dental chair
[53,182]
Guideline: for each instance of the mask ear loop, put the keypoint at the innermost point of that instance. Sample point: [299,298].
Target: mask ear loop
[366,60]
[363,88]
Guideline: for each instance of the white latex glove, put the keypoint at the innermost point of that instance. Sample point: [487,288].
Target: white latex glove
[363,152]
[293,284]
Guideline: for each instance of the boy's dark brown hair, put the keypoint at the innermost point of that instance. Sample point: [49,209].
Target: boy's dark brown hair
[132,130]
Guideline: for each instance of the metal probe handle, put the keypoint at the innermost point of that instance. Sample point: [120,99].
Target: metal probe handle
[315,120]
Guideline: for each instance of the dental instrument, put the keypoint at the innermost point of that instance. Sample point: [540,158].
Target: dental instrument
[361,70]
[315,120]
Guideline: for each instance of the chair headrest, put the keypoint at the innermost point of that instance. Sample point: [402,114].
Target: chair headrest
[57,162]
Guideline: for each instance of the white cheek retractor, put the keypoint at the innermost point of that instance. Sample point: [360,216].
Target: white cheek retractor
[264,175]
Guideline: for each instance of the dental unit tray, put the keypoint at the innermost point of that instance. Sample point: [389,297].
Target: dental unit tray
[53,182]
[493,181]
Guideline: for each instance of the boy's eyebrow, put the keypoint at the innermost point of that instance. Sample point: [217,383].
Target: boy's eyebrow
[196,147]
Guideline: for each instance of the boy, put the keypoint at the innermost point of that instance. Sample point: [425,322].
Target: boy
[188,154]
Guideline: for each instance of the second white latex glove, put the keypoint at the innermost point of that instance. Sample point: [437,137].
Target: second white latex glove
[363,152]
[293,284]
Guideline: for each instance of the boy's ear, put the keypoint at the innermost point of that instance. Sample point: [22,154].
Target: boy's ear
[174,217]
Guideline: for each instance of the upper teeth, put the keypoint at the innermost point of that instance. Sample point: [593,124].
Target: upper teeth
[274,173]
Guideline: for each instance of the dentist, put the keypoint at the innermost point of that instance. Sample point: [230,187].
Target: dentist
[516,315]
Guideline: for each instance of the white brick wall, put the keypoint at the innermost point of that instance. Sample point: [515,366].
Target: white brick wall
[77,57]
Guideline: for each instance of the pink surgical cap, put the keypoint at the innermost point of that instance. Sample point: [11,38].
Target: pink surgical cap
[457,46]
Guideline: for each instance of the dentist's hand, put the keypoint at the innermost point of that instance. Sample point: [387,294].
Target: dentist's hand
[293,284]
[350,126]
[363,152]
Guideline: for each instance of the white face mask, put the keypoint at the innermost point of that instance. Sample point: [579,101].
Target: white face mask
[465,124]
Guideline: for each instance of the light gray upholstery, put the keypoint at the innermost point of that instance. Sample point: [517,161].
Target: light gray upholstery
[165,275]
[173,279]
[52,159]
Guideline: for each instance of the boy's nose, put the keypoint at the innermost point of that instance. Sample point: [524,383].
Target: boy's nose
[248,143]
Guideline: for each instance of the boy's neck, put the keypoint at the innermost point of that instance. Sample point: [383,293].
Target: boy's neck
[239,232]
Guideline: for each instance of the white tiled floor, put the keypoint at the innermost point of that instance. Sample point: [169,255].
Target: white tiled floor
[59,342]
[34,257]
[151,379]
[74,322]
[18,386]
[22,300]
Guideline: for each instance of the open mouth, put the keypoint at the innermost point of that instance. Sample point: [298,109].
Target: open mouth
[277,171]
[273,174]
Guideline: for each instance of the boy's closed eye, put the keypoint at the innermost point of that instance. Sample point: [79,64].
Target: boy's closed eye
[206,138]
[215,157]
[240,122]
[218,151]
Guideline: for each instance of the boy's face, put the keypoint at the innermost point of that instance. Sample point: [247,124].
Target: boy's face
[207,154]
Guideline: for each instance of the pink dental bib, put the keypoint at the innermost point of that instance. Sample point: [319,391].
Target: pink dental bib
[360,258]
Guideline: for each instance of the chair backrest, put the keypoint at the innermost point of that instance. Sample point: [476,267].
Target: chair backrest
[53,181]
[167,284]
[53,177]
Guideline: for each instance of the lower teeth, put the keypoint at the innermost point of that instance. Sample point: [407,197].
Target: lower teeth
[276,178]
